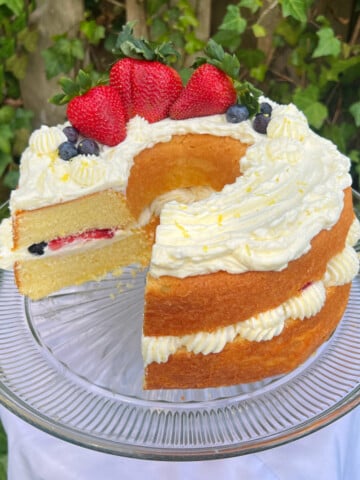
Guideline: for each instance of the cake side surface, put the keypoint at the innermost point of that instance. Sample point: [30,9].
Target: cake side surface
[244,361]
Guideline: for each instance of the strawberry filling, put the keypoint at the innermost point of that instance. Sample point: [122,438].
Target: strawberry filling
[94,234]
[304,287]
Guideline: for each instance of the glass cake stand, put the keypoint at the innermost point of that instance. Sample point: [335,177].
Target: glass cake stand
[71,365]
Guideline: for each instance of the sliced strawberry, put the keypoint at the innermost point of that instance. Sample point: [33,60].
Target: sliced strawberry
[99,114]
[60,242]
[94,234]
[209,91]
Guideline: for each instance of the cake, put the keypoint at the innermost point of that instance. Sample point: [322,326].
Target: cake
[247,232]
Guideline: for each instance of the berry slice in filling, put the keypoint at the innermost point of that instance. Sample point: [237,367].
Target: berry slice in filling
[94,234]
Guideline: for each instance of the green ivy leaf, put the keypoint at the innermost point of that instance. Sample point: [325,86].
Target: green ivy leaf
[7,47]
[62,55]
[340,134]
[252,5]
[233,20]
[17,65]
[29,39]
[16,6]
[7,113]
[258,30]
[354,109]
[295,8]
[23,118]
[77,49]
[251,58]
[153,6]
[2,83]
[323,21]
[21,140]
[5,160]
[307,100]
[328,44]
[259,72]
[92,31]
[158,28]
[3,441]
[6,135]
[11,179]
[354,156]
[229,39]
[289,30]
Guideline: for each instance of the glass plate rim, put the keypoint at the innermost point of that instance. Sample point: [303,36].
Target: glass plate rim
[336,412]
[65,432]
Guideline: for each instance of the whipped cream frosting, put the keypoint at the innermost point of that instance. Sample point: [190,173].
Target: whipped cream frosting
[46,179]
[182,195]
[291,188]
[340,270]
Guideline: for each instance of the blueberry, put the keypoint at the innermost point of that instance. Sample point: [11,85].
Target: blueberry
[265,108]
[261,122]
[37,248]
[88,147]
[71,134]
[237,113]
[67,150]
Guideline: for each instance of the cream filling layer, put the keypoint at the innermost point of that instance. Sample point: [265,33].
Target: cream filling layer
[340,270]
[8,256]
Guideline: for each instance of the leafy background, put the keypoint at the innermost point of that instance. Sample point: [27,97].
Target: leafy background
[301,51]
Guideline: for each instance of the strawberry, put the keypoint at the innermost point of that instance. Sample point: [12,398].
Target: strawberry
[147,88]
[99,114]
[208,91]
[147,85]
[120,78]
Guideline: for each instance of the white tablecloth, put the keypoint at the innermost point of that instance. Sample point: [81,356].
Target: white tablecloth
[332,453]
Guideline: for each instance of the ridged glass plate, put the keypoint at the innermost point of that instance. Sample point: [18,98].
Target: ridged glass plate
[71,365]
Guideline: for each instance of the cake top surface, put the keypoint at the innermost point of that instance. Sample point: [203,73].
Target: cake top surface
[290,189]
[46,179]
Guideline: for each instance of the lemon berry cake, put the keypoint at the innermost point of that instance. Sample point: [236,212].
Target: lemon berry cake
[242,214]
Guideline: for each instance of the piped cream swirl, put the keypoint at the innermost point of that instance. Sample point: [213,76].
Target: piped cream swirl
[342,268]
[46,140]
